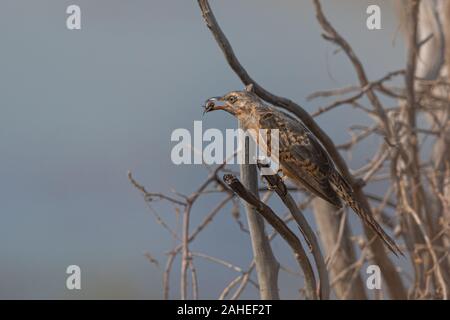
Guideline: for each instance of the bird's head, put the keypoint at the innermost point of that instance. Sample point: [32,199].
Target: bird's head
[234,102]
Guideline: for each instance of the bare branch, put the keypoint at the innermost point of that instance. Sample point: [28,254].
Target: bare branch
[277,184]
[283,230]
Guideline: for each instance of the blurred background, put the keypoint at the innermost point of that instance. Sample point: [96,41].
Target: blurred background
[78,109]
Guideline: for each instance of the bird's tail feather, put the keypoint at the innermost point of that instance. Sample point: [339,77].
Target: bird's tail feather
[345,192]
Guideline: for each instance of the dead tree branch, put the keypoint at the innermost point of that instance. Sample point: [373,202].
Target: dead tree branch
[282,229]
[266,265]
[277,184]
[394,281]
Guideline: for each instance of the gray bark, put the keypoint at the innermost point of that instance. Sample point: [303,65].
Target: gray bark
[328,222]
[266,265]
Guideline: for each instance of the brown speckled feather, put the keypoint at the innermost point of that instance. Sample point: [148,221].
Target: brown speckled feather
[302,158]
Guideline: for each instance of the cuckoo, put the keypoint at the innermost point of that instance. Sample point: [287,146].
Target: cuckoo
[302,158]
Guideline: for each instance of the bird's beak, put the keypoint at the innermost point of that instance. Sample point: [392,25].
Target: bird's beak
[212,104]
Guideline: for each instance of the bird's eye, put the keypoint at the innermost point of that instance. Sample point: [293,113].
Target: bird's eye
[232,99]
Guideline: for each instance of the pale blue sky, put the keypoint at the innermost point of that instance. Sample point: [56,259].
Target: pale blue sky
[80,108]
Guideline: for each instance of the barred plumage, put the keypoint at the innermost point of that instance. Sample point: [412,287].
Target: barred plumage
[345,192]
[301,156]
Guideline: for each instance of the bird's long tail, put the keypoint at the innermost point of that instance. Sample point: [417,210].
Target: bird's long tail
[345,192]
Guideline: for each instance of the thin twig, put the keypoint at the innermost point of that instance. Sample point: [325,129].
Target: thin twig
[277,184]
[283,230]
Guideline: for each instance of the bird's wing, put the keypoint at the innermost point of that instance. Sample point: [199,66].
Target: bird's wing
[302,158]
[308,163]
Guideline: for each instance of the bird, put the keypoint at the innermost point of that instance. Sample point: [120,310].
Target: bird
[302,158]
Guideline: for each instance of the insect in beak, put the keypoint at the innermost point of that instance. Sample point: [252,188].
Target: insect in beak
[210,105]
